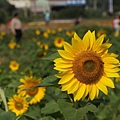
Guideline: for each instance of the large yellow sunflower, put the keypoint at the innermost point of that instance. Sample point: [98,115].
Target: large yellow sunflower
[85,67]
[29,89]
[18,104]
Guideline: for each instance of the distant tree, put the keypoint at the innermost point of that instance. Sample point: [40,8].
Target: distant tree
[116,5]
[7,7]
[6,11]
[3,16]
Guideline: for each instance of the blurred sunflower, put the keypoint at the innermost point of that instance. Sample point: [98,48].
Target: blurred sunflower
[3,33]
[117,79]
[48,31]
[12,45]
[37,32]
[18,105]
[34,39]
[85,66]
[41,54]
[59,29]
[14,65]
[58,42]
[29,89]
[101,32]
[116,34]
[53,31]
[39,43]
[45,35]
[45,46]
[69,33]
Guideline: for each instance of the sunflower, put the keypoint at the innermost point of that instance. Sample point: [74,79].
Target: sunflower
[45,46]
[69,33]
[45,35]
[58,42]
[101,32]
[37,32]
[18,104]
[53,31]
[85,67]
[14,65]
[29,89]
[59,29]
[12,45]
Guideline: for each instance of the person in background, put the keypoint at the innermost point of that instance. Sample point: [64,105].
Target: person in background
[47,17]
[77,21]
[16,27]
[116,24]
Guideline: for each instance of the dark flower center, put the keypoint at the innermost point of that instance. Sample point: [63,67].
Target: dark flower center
[18,105]
[32,91]
[88,67]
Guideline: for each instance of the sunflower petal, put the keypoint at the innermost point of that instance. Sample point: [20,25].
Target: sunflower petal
[102,88]
[80,92]
[77,45]
[107,82]
[76,36]
[110,60]
[98,42]
[66,55]
[92,39]
[74,86]
[109,74]
[93,92]
[86,40]
[69,48]
[66,78]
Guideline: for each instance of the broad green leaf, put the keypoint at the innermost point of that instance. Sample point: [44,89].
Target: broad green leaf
[50,80]
[70,113]
[50,107]
[33,112]
[81,112]
[7,116]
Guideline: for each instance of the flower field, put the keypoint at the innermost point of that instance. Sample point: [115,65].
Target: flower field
[60,73]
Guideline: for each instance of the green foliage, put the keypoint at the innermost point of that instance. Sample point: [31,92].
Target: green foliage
[3,16]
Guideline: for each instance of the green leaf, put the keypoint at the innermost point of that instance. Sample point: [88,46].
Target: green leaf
[47,118]
[7,116]
[81,112]
[52,57]
[14,84]
[50,107]
[70,113]
[50,80]
[66,109]
[33,112]
[3,99]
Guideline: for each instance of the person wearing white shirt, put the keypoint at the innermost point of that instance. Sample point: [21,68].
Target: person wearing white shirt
[116,24]
[16,27]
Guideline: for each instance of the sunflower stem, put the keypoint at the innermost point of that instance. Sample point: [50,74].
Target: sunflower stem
[86,118]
